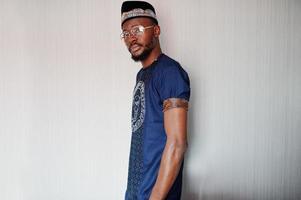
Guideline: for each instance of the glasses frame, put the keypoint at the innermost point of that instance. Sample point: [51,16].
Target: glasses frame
[131,32]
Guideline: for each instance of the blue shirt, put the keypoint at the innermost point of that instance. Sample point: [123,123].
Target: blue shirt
[163,79]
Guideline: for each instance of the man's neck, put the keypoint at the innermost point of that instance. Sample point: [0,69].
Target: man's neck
[152,57]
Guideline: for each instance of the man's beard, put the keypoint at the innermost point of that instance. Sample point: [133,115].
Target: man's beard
[146,52]
[143,55]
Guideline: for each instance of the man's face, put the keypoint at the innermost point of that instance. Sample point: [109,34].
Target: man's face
[140,46]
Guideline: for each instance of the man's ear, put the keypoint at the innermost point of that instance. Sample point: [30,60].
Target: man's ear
[157,30]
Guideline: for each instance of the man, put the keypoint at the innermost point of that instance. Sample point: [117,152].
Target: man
[159,110]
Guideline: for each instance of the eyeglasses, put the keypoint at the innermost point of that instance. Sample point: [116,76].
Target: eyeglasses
[135,31]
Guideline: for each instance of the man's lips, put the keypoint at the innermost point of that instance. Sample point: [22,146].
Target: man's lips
[135,47]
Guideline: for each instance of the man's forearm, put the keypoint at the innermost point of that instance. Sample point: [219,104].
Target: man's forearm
[171,162]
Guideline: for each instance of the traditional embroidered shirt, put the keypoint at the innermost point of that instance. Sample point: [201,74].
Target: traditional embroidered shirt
[165,79]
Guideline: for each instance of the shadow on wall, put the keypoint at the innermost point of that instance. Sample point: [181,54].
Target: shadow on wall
[194,187]
[195,124]
[212,197]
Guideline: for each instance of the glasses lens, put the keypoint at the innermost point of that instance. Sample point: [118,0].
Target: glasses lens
[137,30]
[124,34]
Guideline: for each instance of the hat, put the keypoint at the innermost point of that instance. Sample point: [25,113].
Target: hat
[133,9]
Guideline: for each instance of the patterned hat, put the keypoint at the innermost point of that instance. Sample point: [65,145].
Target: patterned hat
[133,9]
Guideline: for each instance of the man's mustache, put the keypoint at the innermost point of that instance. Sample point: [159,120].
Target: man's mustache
[135,44]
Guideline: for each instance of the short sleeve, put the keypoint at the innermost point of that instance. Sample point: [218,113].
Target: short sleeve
[174,84]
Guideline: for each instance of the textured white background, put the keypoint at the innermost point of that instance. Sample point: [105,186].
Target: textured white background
[66,83]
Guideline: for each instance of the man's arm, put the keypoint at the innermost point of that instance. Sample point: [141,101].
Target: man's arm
[175,124]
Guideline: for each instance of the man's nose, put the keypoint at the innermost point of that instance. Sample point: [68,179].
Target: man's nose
[134,36]
[131,38]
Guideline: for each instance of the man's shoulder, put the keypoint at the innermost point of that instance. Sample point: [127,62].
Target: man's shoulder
[167,63]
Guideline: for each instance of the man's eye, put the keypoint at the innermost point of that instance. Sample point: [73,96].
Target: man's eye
[136,30]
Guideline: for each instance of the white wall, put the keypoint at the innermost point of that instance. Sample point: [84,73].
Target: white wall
[65,98]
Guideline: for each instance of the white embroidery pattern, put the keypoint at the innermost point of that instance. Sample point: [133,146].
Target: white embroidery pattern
[136,13]
[138,111]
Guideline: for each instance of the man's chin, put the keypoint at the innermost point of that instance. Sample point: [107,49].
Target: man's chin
[144,55]
[136,58]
